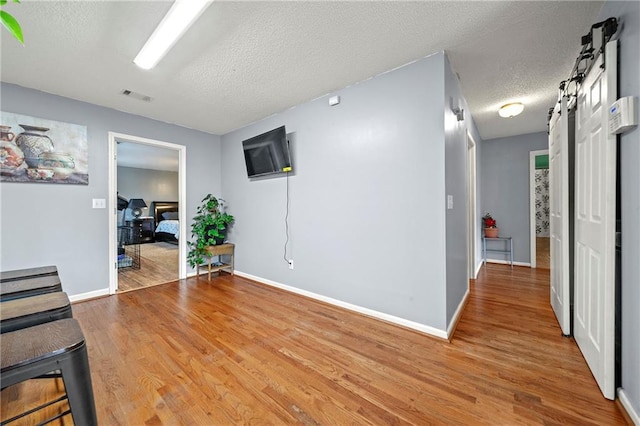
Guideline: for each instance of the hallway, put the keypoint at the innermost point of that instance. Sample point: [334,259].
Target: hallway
[509,328]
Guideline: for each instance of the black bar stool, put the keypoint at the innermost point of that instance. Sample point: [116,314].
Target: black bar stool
[29,311]
[30,286]
[59,345]
[27,273]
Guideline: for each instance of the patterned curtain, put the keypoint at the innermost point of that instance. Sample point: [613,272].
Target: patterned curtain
[542,202]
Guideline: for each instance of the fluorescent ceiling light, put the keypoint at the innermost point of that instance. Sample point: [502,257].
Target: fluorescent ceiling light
[175,23]
[511,110]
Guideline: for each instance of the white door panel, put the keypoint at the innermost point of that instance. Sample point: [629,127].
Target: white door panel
[594,326]
[559,220]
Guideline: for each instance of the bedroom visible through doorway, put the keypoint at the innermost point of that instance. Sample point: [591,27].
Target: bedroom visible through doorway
[147,185]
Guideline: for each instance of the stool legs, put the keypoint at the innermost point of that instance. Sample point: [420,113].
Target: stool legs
[77,383]
[74,366]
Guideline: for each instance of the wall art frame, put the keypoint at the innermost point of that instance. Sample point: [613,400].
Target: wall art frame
[38,150]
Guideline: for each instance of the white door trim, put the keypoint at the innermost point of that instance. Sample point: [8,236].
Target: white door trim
[113,193]
[532,203]
[472,210]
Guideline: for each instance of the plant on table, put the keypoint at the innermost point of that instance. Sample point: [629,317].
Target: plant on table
[209,227]
[489,222]
[490,226]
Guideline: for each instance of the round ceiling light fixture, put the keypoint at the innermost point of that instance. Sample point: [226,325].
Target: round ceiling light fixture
[511,110]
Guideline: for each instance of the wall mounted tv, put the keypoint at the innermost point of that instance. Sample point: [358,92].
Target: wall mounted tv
[268,153]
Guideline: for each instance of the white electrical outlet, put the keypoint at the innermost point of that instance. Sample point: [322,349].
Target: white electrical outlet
[290,263]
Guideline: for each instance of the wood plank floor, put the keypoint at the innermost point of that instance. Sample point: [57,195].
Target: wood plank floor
[231,351]
[543,252]
[158,265]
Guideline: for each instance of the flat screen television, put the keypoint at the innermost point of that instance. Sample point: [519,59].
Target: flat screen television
[268,153]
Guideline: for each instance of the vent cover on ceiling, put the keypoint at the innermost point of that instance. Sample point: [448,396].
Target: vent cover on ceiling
[138,96]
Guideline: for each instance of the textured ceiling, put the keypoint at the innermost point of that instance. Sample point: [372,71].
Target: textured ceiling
[243,61]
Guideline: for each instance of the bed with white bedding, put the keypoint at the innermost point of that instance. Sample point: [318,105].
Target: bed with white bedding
[167,226]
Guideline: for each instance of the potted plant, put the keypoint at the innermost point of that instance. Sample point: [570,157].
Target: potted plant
[490,228]
[209,227]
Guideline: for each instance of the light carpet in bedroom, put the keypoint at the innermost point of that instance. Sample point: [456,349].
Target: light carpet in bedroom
[164,253]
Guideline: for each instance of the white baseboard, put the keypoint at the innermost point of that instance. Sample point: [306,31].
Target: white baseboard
[359,309]
[89,295]
[506,262]
[478,270]
[624,400]
[457,315]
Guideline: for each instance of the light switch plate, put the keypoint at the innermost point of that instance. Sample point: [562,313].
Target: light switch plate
[449,202]
[99,203]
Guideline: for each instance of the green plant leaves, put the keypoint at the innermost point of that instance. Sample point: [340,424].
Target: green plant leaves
[209,224]
[12,25]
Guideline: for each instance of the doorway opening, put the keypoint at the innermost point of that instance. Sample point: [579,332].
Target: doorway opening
[539,223]
[143,174]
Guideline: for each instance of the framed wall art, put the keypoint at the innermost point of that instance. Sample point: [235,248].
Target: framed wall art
[37,150]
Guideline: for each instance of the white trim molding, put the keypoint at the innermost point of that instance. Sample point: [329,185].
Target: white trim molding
[478,267]
[456,316]
[624,400]
[89,295]
[506,262]
[432,331]
[472,207]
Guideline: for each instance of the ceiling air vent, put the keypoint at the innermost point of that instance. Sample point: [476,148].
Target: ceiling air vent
[138,96]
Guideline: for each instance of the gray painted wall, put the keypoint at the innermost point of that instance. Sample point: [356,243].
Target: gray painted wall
[505,187]
[55,224]
[150,185]
[629,82]
[367,216]
[455,134]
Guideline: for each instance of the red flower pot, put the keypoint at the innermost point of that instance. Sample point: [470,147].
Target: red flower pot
[491,232]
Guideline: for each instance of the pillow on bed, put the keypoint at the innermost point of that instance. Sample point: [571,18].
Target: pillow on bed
[170,215]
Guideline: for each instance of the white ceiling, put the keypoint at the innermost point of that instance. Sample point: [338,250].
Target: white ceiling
[141,156]
[243,61]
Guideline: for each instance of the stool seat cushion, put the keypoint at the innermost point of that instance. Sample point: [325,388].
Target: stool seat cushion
[29,287]
[29,311]
[33,344]
[17,308]
[30,272]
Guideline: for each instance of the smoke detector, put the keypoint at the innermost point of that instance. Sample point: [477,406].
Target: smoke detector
[139,96]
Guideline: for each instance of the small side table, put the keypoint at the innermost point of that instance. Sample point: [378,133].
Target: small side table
[219,250]
[507,240]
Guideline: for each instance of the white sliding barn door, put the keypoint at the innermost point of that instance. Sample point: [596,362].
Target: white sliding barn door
[559,215]
[595,203]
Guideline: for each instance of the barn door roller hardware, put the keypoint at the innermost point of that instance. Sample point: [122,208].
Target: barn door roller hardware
[588,54]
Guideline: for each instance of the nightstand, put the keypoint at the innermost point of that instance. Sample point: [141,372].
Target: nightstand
[143,230]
